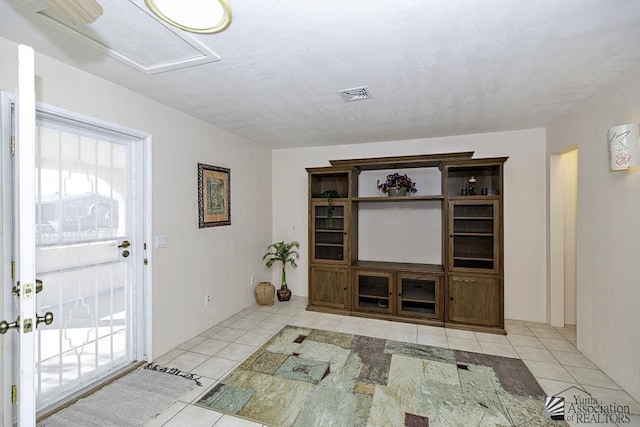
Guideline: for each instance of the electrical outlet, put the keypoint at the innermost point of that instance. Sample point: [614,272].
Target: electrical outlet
[207,299]
[252,281]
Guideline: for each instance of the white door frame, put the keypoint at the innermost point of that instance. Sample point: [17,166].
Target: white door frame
[141,156]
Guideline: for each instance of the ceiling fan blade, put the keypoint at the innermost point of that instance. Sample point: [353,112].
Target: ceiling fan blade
[78,11]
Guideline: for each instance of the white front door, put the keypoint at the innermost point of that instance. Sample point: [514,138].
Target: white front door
[24,238]
[83,239]
[86,252]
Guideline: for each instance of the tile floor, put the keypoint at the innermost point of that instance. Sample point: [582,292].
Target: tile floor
[550,353]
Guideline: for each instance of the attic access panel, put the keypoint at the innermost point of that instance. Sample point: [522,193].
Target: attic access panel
[140,40]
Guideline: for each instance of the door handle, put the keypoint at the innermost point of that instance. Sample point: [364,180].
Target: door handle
[47,319]
[125,244]
[5,326]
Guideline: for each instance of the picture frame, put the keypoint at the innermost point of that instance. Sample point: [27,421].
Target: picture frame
[214,196]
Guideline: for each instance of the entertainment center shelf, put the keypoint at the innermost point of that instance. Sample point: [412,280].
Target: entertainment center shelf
[397,199]
[464,288]
[407,267]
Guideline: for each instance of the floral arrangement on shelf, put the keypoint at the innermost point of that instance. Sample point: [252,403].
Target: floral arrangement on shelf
[397,181]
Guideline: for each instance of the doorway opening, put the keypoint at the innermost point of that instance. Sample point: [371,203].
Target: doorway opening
[563,206]
[92,210]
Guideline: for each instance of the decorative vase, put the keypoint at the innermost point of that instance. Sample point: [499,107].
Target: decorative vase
[284,294]
[264,292]
[396,192]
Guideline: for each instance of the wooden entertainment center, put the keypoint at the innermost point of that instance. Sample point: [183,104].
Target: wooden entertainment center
[463,289]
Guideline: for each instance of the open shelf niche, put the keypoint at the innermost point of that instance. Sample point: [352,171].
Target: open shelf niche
[337,181]
[408,231]
[428,183]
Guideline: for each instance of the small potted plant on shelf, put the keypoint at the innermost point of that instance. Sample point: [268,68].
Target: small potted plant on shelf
[285,253]
[397,185]
[330,195]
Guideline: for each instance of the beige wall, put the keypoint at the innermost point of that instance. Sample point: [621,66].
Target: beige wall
[217,261]
[524,210]
[608,236]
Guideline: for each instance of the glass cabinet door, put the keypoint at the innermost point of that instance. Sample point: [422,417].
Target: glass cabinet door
[373,292]
[329,232]
[473,236]
[419,295]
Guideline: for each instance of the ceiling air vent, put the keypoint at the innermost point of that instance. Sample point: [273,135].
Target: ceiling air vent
[355,94]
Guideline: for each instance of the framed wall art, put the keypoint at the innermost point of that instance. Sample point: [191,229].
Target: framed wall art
[214,196]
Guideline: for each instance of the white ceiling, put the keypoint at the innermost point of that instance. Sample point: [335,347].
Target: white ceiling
[433,67]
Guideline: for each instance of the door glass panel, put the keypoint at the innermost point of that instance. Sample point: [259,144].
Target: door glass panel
[475,225]
[473,236]
[373,292]
[418,295]
[88,337]
[473,211]
[82,186]
[329,232]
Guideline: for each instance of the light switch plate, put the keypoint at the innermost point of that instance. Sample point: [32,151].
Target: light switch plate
[160,241]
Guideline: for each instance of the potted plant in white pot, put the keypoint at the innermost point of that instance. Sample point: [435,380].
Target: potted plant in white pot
[285,253]
[397,185]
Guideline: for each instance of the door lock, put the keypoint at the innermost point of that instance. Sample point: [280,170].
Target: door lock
[5,326]
[16,289]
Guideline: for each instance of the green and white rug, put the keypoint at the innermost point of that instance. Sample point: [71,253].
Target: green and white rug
[308,377]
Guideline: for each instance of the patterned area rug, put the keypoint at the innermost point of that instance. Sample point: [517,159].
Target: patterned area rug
[309,377]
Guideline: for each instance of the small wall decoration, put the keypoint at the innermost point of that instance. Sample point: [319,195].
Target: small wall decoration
[214,196]
[624,146]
